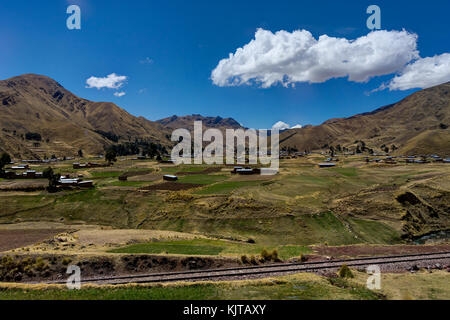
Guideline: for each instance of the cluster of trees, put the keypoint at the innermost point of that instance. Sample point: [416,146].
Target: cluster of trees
[33,136]
[361,147]
[53,179]
[338,148]
[111,155]
[143,147]
[151,149]
[289,149]
[124,149]
[4,160]
[108,135]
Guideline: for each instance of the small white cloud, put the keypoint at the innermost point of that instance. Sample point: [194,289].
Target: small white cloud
[141,91]
[280,125]
[147,60]
[423,73]
[112,81]
[291,57]
[298,126]
[119,94]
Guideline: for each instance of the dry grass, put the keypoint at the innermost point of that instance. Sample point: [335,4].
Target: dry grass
[118,237]
[418,286]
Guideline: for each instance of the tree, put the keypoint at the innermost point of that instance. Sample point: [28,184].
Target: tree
[363,145]
[47,173]
[4,160]
[53,179]
[332,151]
[33,136]
[110,155]
[345,272]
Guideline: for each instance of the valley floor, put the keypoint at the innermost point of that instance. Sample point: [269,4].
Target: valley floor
[212,218]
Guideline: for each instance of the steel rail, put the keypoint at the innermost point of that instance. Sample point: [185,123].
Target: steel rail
[229,272]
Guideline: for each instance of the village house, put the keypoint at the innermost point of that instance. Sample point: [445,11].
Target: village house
[327,165]
[169,177]
[77,165]
[75,182]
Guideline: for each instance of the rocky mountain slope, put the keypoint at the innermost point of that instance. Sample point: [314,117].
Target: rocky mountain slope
[187,122]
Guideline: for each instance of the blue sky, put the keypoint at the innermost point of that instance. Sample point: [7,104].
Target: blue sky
[185,41]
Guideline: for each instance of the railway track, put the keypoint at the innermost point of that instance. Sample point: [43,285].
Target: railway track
[273,269]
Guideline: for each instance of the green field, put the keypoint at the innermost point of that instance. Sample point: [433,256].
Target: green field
[136,184]
[302,205]
[105,174]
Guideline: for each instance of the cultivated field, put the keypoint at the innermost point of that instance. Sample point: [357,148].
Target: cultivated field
[216,218]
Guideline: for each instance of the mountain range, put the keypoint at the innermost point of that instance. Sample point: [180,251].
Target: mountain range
[416,125]
[187,122]
[39,118]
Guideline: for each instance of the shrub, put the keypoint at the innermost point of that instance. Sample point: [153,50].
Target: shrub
[302,258]
[244,259]
[28,271]
[275,256]
[266,256]
[345,272]
[66,261]
[40,264]
[253,260]
[251,240]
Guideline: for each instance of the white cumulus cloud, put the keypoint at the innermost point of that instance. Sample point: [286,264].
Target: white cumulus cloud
[423,73]
[290,57]
[280,125]
[112,81]
[119,94]
[298,126]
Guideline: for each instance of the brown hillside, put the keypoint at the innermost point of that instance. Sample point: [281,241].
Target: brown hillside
[67,123]
[416,125]
[419,124]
